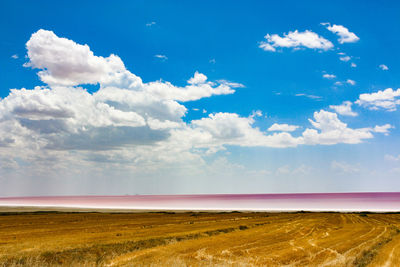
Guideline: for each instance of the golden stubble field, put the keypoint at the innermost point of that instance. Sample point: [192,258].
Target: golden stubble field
[199,239]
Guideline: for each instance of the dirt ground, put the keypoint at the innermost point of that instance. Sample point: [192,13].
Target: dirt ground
[50,238]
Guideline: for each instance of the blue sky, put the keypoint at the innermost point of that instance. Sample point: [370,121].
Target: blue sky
[85,132]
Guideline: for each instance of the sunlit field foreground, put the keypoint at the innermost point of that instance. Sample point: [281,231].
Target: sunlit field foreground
[199,239]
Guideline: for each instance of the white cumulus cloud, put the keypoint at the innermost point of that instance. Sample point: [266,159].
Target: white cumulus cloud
[330,130]
[345,36]
[344,109]
[230,128]
[387,99]
[123,111]
[64,62]
[383,129]
[383,67]
[198,78]
[329,76]
[345,58]
[129,123]
[282,127]
[296,39]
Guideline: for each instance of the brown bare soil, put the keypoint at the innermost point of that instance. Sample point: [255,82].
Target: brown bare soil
[199,239]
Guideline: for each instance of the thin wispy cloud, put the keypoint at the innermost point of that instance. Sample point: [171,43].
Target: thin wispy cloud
[287,170]
[392,158]
[338,83]
[344,167]
[162,57]
[315,97]
[231,84]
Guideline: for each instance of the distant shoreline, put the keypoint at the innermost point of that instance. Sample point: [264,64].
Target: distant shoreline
[65,209]
[318,202]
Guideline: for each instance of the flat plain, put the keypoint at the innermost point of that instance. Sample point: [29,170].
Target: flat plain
[51,238]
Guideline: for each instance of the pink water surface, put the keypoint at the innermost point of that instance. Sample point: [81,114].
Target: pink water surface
[257,202]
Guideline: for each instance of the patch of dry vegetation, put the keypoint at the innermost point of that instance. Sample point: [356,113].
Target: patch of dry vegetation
[198,239]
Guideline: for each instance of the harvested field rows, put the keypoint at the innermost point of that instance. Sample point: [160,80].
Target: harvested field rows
[199,239]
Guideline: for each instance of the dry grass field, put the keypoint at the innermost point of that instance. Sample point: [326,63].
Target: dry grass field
[199,239]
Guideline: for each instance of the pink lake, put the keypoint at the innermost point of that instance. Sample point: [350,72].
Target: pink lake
[375,202]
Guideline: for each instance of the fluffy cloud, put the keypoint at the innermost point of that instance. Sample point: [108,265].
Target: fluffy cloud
[333,131]
[226,125]
[129,123]
[351,82]
[195,91]
[344,109]
[387,99]
[198,78]
[329,76]
[383,129]
[64,62]
[282,127]
[383,67]
[345,36]
[231,129]
[266,46]
[256,113]
[59,106]
[345,58]
[124,111]
[296,39]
